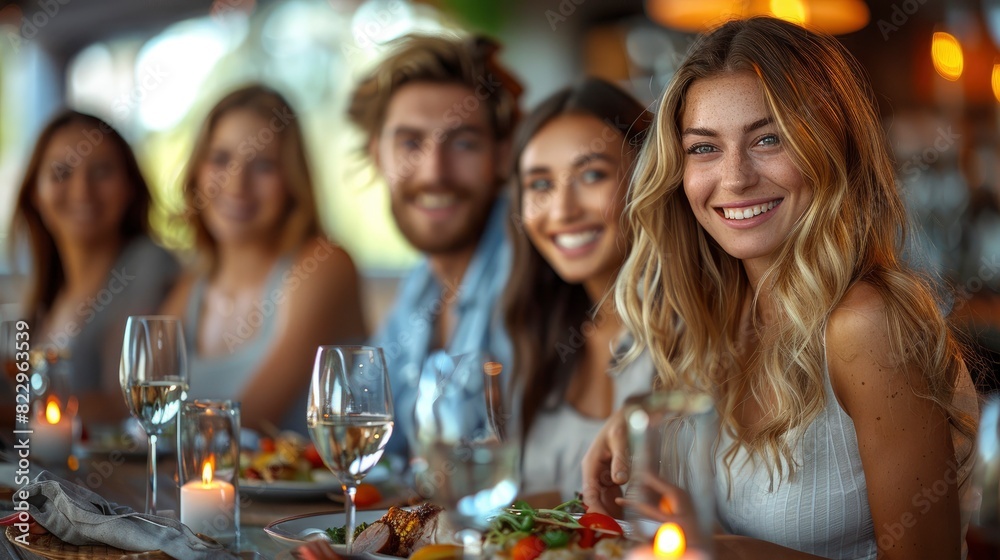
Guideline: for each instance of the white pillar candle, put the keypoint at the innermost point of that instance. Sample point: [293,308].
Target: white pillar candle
[209,507]
[52,435]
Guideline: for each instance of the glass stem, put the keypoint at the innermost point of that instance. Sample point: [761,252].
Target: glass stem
[350,491]
[151,487]
[472,543]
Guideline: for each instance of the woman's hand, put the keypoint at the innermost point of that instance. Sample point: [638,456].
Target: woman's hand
[673,501]
[606,467]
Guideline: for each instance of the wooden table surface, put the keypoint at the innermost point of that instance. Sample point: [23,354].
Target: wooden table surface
[123,481]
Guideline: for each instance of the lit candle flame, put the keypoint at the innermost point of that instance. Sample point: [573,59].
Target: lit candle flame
[669,542]
[52,414]
[206,473]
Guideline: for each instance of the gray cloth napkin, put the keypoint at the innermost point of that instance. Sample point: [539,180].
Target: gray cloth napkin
[80,517]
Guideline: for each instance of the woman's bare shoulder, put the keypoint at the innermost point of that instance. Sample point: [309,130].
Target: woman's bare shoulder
[323,268]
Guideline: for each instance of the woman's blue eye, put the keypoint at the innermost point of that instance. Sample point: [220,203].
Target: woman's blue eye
[769,140]
[592,176]
[538,184]
[701,149]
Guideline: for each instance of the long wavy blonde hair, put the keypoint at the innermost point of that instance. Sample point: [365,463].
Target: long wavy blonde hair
[683,296]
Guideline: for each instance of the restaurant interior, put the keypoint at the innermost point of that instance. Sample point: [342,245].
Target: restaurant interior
[154,68]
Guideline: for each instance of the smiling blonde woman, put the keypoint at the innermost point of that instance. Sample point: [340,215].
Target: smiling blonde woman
[766,269]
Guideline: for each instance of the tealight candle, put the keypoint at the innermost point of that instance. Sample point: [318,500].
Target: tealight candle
[207,506]
[669,544]
[52,435]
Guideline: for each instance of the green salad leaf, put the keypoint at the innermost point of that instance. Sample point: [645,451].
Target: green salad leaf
[338,535]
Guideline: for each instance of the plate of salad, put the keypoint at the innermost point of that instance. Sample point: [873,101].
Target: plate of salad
[521,532]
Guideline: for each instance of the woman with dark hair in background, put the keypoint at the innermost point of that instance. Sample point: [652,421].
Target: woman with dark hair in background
[572,158]
[83,208]
[270,287]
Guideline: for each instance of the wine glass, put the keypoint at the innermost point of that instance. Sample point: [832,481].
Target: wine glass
[349,415]
[466,431]
[154,379]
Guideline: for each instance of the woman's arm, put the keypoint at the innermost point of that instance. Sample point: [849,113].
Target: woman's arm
[321,305]
[905,441]
[606,466]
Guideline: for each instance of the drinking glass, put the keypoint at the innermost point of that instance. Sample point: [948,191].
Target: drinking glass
[466,430]
[673,436]
[349,415]
[208,456]
[154,380]
[985,525]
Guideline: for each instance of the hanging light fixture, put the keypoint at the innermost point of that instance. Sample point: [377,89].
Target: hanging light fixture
[832,16]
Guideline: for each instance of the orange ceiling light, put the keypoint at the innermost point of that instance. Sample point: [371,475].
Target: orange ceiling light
[946,54]
[996,81]
[832,16]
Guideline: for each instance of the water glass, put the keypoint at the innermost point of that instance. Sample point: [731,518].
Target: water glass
[467,433]
[208,443]
[673,438]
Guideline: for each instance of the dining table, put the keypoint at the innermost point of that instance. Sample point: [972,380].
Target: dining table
[122,479]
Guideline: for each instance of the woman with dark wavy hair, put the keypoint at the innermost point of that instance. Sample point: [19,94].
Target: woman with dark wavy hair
[83,208]
[572,157]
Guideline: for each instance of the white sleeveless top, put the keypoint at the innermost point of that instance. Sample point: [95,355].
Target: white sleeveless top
[823,509]
[560,436]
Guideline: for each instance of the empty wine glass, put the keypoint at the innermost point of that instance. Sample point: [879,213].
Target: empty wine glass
[466,431]
[349,415]
[154,379]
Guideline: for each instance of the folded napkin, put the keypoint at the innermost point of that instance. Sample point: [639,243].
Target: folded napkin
[80,517]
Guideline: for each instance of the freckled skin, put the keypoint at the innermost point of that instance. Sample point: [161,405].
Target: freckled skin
[727,165]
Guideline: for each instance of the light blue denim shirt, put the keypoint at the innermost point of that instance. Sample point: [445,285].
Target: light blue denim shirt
[406,335]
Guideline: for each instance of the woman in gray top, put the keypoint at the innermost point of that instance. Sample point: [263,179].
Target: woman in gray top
[270,287]
[83,208]
[572,156]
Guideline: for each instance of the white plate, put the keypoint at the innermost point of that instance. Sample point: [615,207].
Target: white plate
[323,483]
[297,530]
[291,489]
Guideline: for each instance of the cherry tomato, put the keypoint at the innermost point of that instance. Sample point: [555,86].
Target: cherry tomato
[310,454]
[601,522]
[367,495]
[587,538]
[528,548]
[266,445]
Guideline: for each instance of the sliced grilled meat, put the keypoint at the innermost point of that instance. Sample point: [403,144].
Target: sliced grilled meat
[399,531]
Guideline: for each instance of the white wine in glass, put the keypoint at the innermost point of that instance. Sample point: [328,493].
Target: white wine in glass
[154,380]
[349,415]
